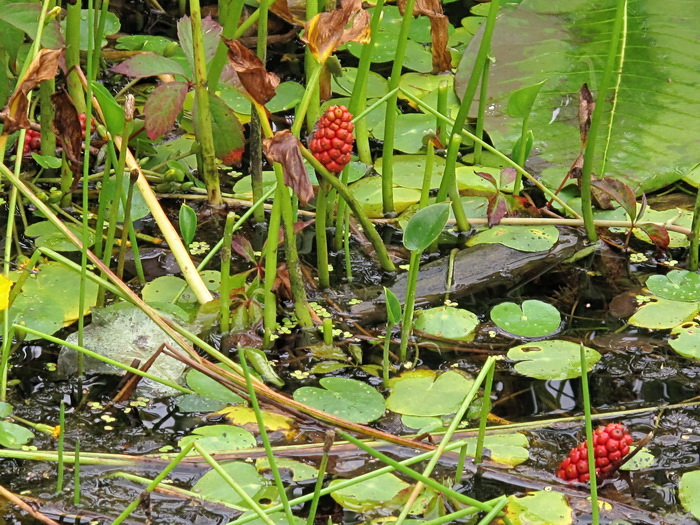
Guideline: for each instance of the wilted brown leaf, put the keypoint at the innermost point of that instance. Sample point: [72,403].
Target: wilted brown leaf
[439,24]
[283,147]
[43,67]
[252,75]
[586,105]
[292,11]
[69,132]
[326,32]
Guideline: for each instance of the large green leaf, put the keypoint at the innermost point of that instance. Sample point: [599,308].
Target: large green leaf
[652,127]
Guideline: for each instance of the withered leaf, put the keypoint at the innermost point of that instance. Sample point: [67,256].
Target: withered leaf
[326,32]
[252,75]
[69,133]
[283,147]
[586,105]
[43,67]
[658,235]
[439,25]
[292,11]
[608,189]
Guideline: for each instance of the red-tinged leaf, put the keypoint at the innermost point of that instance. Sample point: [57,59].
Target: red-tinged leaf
[149,65]
[211,31]
[488,177]
[260,85]
[229,141]
[300,226]
[508,176]
[586,105]
[618,191]
[242,247]
[69,132]
[162,108]
[658,235]
[642,207]
[497,208]
[283,147]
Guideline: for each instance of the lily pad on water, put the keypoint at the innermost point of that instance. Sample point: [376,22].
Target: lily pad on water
[551,360]
[531,319]
[209,396]
[386,491]
[48,236]
[689,492]
[213,487]
[368,192]
[539,508]
[425,393]
[13,435]
[509,449]
[300,471]
[345,398]
[447,322]
[523,238]
[217,438]
[685,339]
[659,314]
[676,285]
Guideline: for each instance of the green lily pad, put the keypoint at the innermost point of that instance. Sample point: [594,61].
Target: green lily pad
[207,387]
[165,289]
[509,449]
[685,339]
[287,96]
[447,322]
[343,85]
[411,130]
[551,360]
[425,393]
[531,319]
[369,494]
[13,435]
[676,285]
[523,238]
[422,424]
[658,314]
[539,508]
[300,471]
[689,492]
[425,87]
[369,192]
[5,409]
[409,170]
[213,487]
[48,236]
[217,438]
[345,398]
[643,459]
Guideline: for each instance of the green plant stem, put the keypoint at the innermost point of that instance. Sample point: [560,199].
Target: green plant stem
[313,71]
[125,231]
[305,101]
[94,71]
[204,119]
[225,290]
[61,444]
[483,417]
[597,119]
[385,356]
[589,436]
[442,109]
[72,55]
[48,137]
[270,307]
[521,156]
[407,322]
[229,21]
[481,111]
[391,111]
[320,474]
[448,185]
[153,484]
[356,207]
[427,176]
[324,279]
[695,235]
[76,473]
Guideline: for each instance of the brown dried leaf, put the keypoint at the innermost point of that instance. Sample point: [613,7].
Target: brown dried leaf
[326,32]
[252,75]
[442,59]
[43,67]
[283,147]
[586,105]
[290,11]
[69,133]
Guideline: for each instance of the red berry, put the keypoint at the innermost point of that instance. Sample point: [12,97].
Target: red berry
[332,142]
[32,142]
[611,444]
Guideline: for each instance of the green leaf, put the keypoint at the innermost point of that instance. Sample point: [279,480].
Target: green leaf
[689,492]
[211,32]
[425,226]
[660,314]
[521,100]
[539,508]
[523,238]
[368,192]
[532,319]
[112,26]
[509,449]
[287,96]
[343,85]
[25,17]
[412,130]
[13,435]
[187,223]
[393,308]
[551,360]
[217,438]
[424,393]
[48,236]
[643,459]
[685,339]
[213,487]
[258,359]
[346,398]
[676,285]
[300,471]
[47,161]
[655,106]
[207,387]
[447,322]
[5,409]
[369,494]
[163,106]
[149,65]
[227,130]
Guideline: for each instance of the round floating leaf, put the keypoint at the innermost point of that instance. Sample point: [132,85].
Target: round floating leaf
[346,398]
[424,393]
[689,492]
[287,96]
[523,238]
[409,170]
[425,226]
[510,449]
[552,360]
[369,494]
[422,423]
[215,438]
[368,192]
[642,460]
[13,435]
[676,285]
[539,508]
[532,319]
[678,217]
[207,387]
[245,416]
[48,236]
[685,339]
[661,314]
[447,322]
[213,487]
[411,130]
[300,471]
[343,85]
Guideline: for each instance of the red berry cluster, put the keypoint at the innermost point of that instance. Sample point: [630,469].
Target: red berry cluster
[333,140]
[32,142]
[83,120]
[611,443]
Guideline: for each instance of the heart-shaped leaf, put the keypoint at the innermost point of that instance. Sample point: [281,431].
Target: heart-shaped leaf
[447,322]
[676,285]
[346,398]
[425,226]
[532,319]
[658,314]
[523,238]
[424,393]
[552,360]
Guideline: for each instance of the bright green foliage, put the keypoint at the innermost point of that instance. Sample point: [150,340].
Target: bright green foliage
[660,314]
[425,226]
[345,398]
[642,460]
[510,449]
[48,236]
[217,438]
[685,339]
[213,487]
[447,322]
[425,393]
[531,319]
[539,508]
[676,285]
[187,223]
[689,492]
[552,360]
[521,100]
[523,238]
[13,435]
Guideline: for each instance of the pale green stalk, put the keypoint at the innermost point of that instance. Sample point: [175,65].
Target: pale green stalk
[324,279]
[61,443]
[229,19]
[407,322]
[76,473]
[485,409]
[593,481]
[225,289]
[320,473]
[270,307]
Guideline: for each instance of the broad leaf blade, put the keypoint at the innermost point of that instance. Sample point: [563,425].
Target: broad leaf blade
[425,226]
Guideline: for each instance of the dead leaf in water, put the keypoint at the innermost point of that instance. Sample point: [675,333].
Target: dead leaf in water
[439,25]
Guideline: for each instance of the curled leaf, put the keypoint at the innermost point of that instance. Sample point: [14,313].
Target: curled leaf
[69,132]
[260,84]
[43,67]
[326,32]
[439,25]
[283,147]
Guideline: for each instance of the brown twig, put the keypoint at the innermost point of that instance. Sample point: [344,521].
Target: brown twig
[16,500]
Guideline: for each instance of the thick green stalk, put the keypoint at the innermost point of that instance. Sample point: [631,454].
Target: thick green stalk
[321,473]
[72,55]
[48,137]
[225,290]
[273,229]
[76,471]
[60,448]
[305,102]
[204,122]
[391,112]
[324,279]
[521,156]
[448,185]
[313,71]
[230,18]
[589,436]
[695,237]
[483,418]
[597,119]
[94,71]
[407,322]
